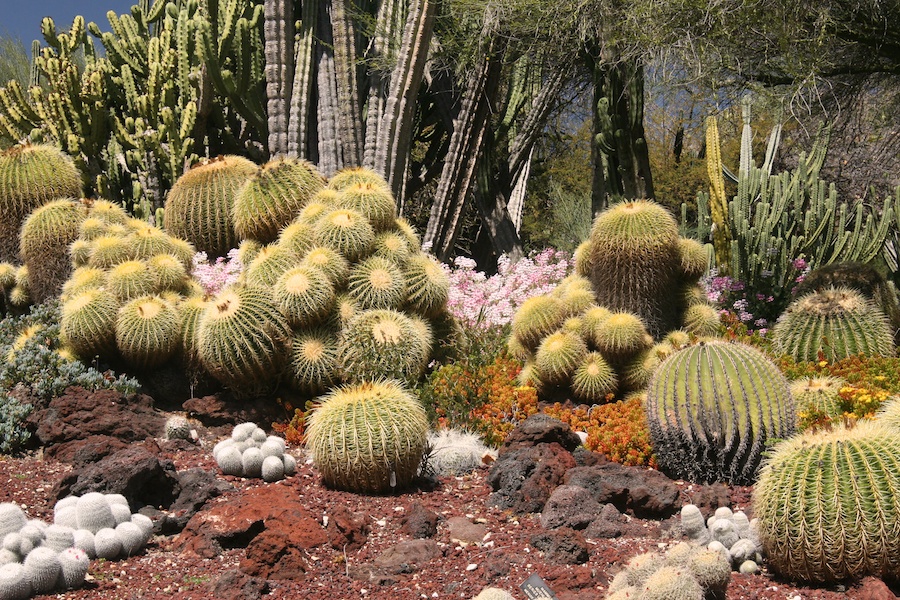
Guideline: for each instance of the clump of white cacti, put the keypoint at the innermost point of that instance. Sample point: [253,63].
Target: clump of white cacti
[103,525]
[455,452]
[249,452]
[684,572]
[731,533]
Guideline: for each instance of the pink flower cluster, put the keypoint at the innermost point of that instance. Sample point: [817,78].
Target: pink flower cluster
[479,301]
[216,276]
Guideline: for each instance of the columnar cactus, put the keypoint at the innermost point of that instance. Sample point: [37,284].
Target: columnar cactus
[199,206]
[826,504]
[31,176]
[368,437]
[713,407]
[838,322]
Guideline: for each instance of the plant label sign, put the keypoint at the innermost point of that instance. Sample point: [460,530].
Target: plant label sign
[535,588]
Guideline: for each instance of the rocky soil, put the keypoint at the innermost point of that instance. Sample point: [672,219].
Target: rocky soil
[544,507]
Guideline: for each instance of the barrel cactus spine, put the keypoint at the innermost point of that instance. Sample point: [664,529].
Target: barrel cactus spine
[313,364]
[427,285]
[345,231]
[130,279]
[558,356]
[44,241]
[355,175]
[536,318]
[109,250]
[712,408]
[88,323]
[376,282]
[368,437]
[383,343]
[148,332]
[269,264]
[331,262]
[305,295]
[373,201]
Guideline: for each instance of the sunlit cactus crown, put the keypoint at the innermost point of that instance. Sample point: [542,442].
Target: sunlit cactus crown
[355,175]
[838,322]
[45,238]
[712,408]
[826,504]
[87,322]
[148,332]
[373,201]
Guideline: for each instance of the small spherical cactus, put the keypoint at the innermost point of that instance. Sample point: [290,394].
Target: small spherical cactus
[43,569]
[297,236]
[305,295]
[84,540]
[347,232]
[45,237]
[313,363]
[620,336]
[94,513]
[109,250]
[251,461]
[12,518]
[818,395]
[641,566]
[671,583]
[82,278]
[711,570]
[493,593]
[58,537]
[352,452]
[14,581]
[269,264]
[427,285]
[456,452]
[558,356]
[695,259]
[376,282]
[331,262]
[593,378]
[383,343]
[148,332]
[178,428]
[229,460]
[169,273]
[535,319]
[393,246]
[373,201]
[107,544]
[272,469]
[87,322]
[132,537]
[74,564]
[702,320]
[355,175]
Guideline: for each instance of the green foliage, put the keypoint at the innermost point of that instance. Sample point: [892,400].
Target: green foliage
[834,323]
[826,505]
[368,437]
[712,409]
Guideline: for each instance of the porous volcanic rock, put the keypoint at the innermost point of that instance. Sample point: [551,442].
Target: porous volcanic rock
[235,585]
[562,546]
[871,588]
[570,506]
[541,429]
[645,493]
[346,530]
[419,521]
[523,478]
[223,409]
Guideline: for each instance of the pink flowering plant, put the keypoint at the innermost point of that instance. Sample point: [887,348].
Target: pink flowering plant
[217,275]
[756,304]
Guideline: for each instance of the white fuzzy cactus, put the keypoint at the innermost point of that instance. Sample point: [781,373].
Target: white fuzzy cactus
[727,532]
[94,513]
[107,544]
[14,582]
[42,569]
[73,564]
[493,593]
[59,537]
[12,518]
[454,452]
[249,452]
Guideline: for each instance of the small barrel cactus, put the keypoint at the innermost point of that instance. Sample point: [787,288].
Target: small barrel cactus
[376,282]
[713,407]
[368,437]
[384,343]
[826,504]
[88,322]
[372,200]
[148,332]
[45,238]
[836,322]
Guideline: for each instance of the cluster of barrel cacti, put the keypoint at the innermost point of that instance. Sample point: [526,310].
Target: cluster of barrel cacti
[832,324]
[728,532]
[249,452]
[712,410]
[633,299]
[685,572]
[826,504]
[368,437]
[14,289]
[37,558]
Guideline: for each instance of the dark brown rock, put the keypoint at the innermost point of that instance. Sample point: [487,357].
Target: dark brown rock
[87,451]
[642,492]
[224,409]
[523,478]
[871,588]
[709,497]
[569,506]
[236,522]
[136,472]
[79,414]
[346,530]
[610,523]
[464,531]
[234,585]
[419,522]
[196,488]
[541,429]
[561,546]
[408,555]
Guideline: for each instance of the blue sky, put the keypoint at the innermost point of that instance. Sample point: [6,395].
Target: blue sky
[22,18]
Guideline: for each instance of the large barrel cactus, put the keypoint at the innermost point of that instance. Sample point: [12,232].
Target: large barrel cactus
[712,408]
[827,504]
[199,206]
[368,437]
[635,263]
[44,244]
[273,196]
[836,322]
[31,176]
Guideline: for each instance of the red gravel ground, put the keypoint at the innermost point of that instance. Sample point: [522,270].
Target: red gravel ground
[160,572]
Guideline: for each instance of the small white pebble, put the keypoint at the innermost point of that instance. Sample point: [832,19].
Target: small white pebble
[471,567]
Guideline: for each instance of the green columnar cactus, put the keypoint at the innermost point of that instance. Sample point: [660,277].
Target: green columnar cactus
[718,203]
[635,263]
[826,504]
[346,231]
[242,339]
[45,238]
[712,408]
[383,343]
[199,206]
[838,322]
[88,323]
[314,365]
[373,201]
[376,282]
[368,437]
[148,332]
[273,196]
[31,176]
[305,296]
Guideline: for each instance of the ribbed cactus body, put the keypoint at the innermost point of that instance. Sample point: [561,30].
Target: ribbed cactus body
[331,262]
[45,238]
[620,336]
[169,273]
[818,395]
[373,201]
[345,231]
[712,408]
[88,322]
[199,206]
[427,284]
[242,338]
[298,236]
[109,250]
[838,322]
[190,311]
[671,583]
[536,318]
[368,437]
[31,176]
[702,320]
[558,356]
[271,197]
[383,343]
[376,282]
[269,264]
[313,364]
[826,504]
[353,176]
[305,295]
[593,379]
[393,246]
[130,279]
[148,332]
[14,581]
[635,262]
